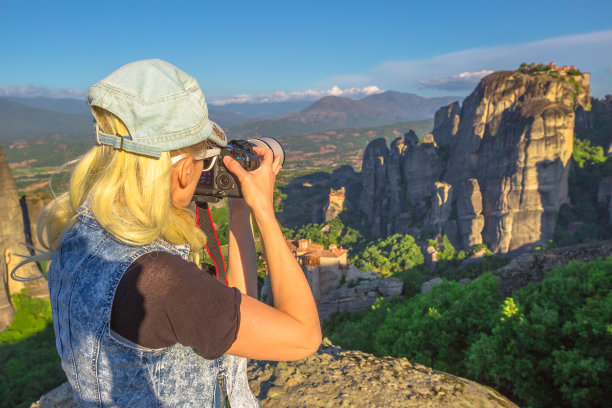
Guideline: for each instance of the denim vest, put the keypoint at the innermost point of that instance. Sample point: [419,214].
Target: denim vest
[106,370]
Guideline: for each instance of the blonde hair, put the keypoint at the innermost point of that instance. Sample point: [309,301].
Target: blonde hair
[128,194]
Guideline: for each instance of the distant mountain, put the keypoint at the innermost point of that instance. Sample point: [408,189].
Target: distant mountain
[226,119]
[65,105]
[334,112]
[20,122]
[265,110]
[37,118]
[378,109]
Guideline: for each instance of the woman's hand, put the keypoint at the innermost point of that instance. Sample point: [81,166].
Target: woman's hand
[290,330]
[257,185]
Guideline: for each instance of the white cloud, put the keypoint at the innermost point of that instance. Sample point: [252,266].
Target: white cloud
[589,52]
[41,90]
[308,95]
[462,81]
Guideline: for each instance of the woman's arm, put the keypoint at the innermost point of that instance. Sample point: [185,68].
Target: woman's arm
[242,268]
[290,330]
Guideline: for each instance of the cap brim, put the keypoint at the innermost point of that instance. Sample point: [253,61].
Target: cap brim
[217,135]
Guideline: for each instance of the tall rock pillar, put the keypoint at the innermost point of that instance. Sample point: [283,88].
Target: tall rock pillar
[11,237]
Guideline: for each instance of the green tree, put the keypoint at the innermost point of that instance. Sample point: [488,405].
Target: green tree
[437,328]
[554,348]
[390,255]
[584,152]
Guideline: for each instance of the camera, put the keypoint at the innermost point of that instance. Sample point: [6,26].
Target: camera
[217,182]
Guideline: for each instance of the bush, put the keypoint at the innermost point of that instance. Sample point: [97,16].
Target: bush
[356,331]
[434,328]
[29,363]
[437,328]
[584,152]
[391,255]
[553,349]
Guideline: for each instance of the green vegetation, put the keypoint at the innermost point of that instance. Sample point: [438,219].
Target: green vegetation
[601,121]
[220,216]
[337,233]
[584,152]
[546,346]
[550,345]
[434,328]
[580,221]
[29,364]
[390,256]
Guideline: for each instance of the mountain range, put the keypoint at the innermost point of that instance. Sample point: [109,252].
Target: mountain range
[69,119]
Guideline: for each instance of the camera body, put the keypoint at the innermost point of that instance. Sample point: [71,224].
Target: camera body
[218,183]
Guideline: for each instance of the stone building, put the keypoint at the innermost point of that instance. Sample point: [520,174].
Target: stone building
[324,268]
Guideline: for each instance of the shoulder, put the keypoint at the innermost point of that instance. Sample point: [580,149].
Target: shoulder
[165,272]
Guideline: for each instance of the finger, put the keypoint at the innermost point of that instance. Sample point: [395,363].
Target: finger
[268,157]
[276,165]
[234,167]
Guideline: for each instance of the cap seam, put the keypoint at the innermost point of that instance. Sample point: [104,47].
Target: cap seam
[161,98]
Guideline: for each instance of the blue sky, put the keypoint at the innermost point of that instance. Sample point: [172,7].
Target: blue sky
[269,50]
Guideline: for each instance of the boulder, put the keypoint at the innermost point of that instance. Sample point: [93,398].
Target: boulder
[426,286]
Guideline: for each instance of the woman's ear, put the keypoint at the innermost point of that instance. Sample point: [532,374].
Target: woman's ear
[184,171]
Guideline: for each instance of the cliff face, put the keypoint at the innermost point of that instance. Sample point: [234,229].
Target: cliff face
[12,235]
[494,171]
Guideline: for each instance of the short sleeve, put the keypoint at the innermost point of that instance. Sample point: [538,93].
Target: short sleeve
[163,300]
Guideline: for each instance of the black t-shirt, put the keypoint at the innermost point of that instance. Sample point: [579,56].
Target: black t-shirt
[163,300]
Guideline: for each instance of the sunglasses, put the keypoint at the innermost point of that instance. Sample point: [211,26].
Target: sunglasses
[209,157]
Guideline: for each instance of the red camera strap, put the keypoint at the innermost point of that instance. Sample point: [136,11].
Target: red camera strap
[205,223]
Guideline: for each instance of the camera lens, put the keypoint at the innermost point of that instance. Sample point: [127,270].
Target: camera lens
[272,144]
[224,181]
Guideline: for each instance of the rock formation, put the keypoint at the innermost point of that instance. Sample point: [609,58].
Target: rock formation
[604,195]
[396,183]
[334,377]
[12,236]
[359,292]
[533,266]
[494,171]
[337,203]
[446,123]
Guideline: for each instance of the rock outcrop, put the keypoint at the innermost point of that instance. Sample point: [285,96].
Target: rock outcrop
[534,266]
[397,182]
[360,291]
[334,377]
[494,171]
[12,236]
[604,195]
[446,123]
[336,204]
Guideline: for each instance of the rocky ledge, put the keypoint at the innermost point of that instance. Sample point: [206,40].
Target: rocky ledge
[534,266]
[334,377]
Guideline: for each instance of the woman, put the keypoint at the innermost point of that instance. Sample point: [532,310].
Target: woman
[136,322]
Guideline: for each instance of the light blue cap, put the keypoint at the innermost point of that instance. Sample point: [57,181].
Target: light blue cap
[162,107]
